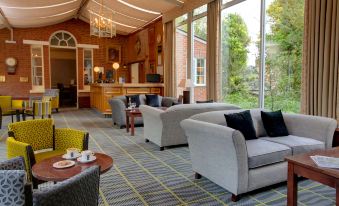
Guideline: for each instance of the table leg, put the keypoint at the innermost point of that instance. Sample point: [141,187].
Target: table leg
[132,125]
[292,186]
[127,122]
[17,113]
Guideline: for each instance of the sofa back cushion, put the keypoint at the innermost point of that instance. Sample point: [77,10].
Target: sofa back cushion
[143,99]
[217,117]
[242,121]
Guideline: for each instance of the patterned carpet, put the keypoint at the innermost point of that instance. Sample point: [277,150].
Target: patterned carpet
[143,175]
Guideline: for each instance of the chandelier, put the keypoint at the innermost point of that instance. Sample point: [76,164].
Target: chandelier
[101,23]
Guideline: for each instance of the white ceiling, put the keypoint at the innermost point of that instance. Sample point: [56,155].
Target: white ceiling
[37,13]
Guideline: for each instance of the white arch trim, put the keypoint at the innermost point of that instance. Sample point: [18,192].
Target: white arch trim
[63,31]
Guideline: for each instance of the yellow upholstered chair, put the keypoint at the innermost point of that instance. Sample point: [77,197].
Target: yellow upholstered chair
[28,138]
[39,108]
[5,104]
[53,94]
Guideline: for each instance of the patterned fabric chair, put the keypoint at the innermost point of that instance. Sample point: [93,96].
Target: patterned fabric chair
[54,95]
[33,135]
[14,189]
[82,189]
[5,102]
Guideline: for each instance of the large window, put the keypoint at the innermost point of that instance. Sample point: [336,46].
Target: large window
[37,67]
[283,53]
[250,79]
[88,66]
[240,35]
[200,72]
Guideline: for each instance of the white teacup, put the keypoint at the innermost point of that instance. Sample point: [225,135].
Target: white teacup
[86,155]
[73,152]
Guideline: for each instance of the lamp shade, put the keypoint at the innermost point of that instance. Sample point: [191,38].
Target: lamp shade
[115,65]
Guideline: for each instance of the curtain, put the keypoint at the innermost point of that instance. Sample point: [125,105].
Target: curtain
[213,50]
[320,59]
[169,71]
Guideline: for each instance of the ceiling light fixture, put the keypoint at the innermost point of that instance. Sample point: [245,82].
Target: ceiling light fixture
[121,24]
[101,25]
[138,8]
[106,7]
[38,7]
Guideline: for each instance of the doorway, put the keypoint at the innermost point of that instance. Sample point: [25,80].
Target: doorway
[135,73]
[64,75]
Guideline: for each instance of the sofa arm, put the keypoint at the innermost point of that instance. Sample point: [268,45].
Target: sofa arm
[168,101]
[315,127]
[118,111]
[16,149]
[152,123]
[70,138]
[218,153]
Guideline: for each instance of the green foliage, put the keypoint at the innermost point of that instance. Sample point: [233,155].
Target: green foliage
[284,55]
[235,40]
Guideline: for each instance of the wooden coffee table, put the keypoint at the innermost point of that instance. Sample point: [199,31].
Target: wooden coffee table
[131,114]
[302,165]
[45,171]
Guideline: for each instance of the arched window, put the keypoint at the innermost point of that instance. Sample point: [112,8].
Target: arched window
[62,39]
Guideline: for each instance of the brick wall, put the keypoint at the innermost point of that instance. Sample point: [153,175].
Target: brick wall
[181,62]
[21,52]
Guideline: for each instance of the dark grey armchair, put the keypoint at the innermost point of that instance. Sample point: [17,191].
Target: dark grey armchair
[82,189]
[14,189]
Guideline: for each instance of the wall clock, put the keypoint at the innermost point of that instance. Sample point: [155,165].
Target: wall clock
[11,64]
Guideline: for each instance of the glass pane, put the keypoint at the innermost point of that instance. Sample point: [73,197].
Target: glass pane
[180,19]
[226,1]
[181,57]
[36,52]
[71,42]
[240,60]
[63,43]
[200,10]
[199,27]
[37,61]
[38,71]
[67,36]
[59,35]
[87,67]
[284,36]
[87,54]
[37,81]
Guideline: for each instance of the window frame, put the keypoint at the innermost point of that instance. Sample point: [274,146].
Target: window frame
[37,88]
[195,72]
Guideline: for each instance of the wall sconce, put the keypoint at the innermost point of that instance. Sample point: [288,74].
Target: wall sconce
[116,66]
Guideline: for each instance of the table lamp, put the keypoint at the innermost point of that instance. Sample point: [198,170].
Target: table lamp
[186,84]
[116,67]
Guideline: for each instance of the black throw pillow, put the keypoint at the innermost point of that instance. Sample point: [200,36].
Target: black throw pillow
[133,99]
[274,123]
[152,100]
[242,121]
[207,101]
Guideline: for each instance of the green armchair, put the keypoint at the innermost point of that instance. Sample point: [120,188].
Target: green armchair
[33,135]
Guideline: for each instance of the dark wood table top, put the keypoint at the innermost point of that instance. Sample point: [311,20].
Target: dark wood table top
[304,160]
[44,170]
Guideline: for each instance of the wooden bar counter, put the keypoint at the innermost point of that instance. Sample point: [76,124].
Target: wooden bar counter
[102,92]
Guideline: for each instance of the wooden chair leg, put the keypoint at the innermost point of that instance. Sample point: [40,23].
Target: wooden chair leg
[235,198]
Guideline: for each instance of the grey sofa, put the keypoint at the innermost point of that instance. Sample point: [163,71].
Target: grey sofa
[163,127]
[119,104]
[222,155]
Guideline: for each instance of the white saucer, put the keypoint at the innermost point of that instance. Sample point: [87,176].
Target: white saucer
[65,156]
[86,161]
[63,164]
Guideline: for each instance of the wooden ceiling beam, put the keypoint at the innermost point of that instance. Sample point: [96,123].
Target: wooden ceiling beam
[81,8]
[178,3]
[5,20]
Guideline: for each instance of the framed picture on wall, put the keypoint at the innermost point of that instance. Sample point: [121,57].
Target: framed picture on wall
[114,54]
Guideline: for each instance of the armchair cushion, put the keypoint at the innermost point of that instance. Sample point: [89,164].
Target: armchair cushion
[70,138]
[47,154]
[12,184]
[261,152]
[37,133]
[17,163]
[297,144]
